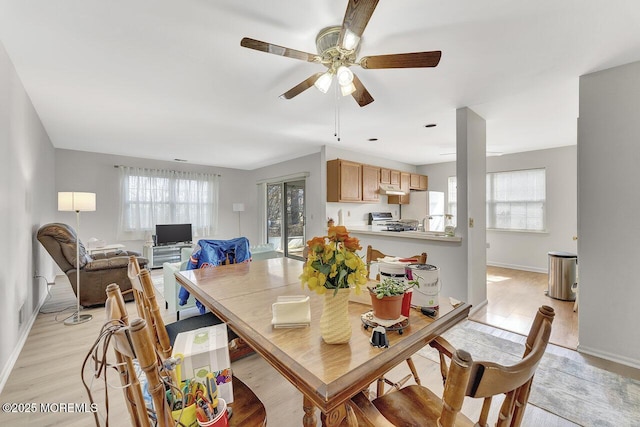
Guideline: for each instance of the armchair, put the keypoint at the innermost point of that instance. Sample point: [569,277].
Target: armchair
[96,271]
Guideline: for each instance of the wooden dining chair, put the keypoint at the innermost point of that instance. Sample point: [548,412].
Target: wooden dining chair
[249,409]
[374,255]
[418,406]
[135,342]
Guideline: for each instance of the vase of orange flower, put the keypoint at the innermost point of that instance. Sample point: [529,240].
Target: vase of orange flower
[333,267]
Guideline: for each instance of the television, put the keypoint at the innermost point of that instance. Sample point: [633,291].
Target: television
[167,234]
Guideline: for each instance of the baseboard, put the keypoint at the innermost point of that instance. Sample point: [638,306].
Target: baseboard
[8,367]
[634,363]
[518,267]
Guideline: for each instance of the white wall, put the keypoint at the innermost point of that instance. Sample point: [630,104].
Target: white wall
[471,143]
[84,171]
[608,200]
[27,197]
[528,251]
[439,174]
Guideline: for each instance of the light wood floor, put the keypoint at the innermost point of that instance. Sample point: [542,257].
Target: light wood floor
[48,371]
[514,297]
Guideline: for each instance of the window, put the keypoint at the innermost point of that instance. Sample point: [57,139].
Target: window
[151,196]
[452,199]
[516,200]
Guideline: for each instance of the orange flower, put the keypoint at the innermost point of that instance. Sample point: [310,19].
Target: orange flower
[333,262]
[338,233]
[316,244]
[352,244]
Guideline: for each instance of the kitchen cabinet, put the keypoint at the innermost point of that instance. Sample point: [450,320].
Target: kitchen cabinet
[389,176]
[418,182]
[349,181]
[385,176]
[405,184]
[344,181]
[424,182]
[395,177]
[370,183]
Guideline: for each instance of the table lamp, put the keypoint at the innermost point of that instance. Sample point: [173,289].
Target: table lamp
[78,202]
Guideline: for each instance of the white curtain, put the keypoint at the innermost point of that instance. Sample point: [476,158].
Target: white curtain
[262,213]
[516,200]
[153,196]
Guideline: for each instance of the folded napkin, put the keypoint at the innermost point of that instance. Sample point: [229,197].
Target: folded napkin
[291,312]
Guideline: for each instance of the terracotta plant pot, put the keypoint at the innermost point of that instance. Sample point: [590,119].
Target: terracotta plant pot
[387,308]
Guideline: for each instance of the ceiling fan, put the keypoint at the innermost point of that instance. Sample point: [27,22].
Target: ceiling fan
[338,47]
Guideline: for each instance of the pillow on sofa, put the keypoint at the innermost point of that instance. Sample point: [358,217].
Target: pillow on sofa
[265,247]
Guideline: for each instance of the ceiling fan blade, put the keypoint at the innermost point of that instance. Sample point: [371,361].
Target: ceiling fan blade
[278,50]
[361,94]
[298,89]
[402,60]
[356,18]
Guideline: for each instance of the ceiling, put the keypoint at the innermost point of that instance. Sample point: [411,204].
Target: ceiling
[167,79]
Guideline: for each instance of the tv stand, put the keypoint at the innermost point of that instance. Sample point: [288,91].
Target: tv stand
[158,255]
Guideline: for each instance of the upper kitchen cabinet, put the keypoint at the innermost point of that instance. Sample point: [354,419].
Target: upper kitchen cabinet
[418,182]
[405,184]
[370,183]
[385,176]
[344,181]
[389,176]
[395,177]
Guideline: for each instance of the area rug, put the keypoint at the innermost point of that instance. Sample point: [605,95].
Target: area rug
[573,390]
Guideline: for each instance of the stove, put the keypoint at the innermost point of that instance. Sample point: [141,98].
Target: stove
[378,220]
[400,226]
[383,221]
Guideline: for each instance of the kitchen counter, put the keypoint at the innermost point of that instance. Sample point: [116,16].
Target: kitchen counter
[421,235]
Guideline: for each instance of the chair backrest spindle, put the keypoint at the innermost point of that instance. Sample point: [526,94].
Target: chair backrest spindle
[124,355]
[145,352]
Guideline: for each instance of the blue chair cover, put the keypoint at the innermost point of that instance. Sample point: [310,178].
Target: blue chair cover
[212,253]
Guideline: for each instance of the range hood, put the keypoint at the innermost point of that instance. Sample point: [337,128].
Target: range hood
[391,190]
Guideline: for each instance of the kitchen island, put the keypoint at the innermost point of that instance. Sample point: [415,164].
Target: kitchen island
[421,235]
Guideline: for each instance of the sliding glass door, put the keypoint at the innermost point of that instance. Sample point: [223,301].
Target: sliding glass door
[286,217]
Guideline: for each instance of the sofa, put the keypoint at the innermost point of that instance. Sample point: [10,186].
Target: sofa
[96,271]
[264,251]
[172,288]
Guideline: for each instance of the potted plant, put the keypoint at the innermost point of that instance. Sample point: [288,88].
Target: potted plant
[386,297]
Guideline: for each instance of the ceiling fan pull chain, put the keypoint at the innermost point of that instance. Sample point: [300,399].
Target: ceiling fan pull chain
[337,115]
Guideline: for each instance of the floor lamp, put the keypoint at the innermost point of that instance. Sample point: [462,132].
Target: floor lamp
[238,207]
[78,202]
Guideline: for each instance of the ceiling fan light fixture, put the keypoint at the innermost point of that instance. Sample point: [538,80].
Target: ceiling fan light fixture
[347,89]
[350,40]
[324,82]
[344,75]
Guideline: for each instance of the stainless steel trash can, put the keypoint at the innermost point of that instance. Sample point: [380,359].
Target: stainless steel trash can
[562,275]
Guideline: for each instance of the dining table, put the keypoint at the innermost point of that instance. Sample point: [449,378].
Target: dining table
[327,375]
